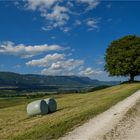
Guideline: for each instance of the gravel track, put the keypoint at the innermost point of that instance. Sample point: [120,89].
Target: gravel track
[120,122]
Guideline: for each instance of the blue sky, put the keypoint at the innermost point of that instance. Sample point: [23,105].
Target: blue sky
[63,37]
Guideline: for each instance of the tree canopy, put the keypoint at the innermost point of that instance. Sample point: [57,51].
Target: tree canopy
[123,57]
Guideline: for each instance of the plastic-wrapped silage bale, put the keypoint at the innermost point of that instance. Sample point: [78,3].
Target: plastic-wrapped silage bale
[39,107]
[52,104]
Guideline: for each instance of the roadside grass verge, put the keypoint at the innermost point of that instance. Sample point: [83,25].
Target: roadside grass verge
[73,110]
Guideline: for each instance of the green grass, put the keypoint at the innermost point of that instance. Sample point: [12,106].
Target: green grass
[73,110]
[11,101]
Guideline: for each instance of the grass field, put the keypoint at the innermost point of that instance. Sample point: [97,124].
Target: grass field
[73,110]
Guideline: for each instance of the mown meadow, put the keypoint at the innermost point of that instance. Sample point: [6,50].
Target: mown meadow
[73,110]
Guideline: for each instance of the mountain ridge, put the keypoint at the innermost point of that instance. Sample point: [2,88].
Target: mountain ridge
[32,80]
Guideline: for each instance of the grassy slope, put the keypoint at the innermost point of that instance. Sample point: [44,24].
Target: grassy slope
[73,110]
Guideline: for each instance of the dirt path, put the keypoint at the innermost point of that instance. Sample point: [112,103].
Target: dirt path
[128,128]
[120,122]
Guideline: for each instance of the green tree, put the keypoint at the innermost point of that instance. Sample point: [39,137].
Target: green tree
[123,57]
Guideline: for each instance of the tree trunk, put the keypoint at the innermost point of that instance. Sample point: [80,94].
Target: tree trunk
[131,78]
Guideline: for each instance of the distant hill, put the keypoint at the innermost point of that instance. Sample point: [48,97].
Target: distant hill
[10,79]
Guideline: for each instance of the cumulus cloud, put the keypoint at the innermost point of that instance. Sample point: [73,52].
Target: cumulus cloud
[65,67]
[61,64]
[89,72]
[49,71]
[46,61]
[69,64]
[39,4]
[57,13]
[51,10]
[57,64]
[26,51]
[51,64]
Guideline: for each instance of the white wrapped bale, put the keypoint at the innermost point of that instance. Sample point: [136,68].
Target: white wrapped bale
[52,104]
[39,107]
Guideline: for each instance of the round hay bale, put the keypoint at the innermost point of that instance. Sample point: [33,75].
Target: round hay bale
[52,104]
[38,107]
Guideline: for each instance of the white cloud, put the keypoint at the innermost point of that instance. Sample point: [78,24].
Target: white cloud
[60,72]
[65,67]
[65,29]
[57,64]
[39,4]
[57,13]
[24,51]
[91,3]
[70,4]
[47,28]
[71,64]
[46,61]
[49,71]
[51,10]
[56,61]
[89,72]
[92,24]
